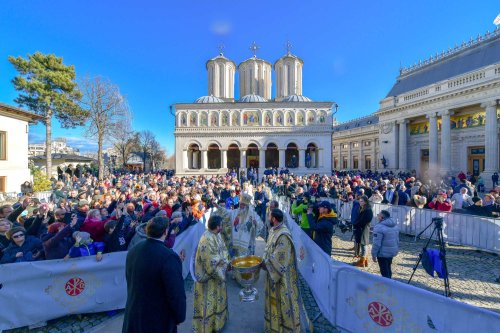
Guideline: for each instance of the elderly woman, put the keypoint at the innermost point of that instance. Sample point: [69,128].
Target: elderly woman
[94,225]
[22,247]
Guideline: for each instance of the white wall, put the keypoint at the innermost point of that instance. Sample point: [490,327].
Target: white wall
[15,168]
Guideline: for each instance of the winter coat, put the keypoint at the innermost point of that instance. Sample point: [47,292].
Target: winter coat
[323,230]
[84,250]
[32,250]
[361,226]
[444,206]
[140,235]
[57,245]
[156,299]
[302,210]
[385,239]
[120,238]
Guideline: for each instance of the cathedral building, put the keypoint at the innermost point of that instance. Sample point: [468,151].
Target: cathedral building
[217,132]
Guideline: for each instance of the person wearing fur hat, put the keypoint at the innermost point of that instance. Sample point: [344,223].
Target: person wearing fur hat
[84,246]
[22,247]
[246,225]
[418,201]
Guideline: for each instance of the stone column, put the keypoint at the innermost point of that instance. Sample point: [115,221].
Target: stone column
[339,165]
[403,145]
[204,159]
[185,164]
[361,157]
[445,142]
[349,155]
[282,158]
[490,142]
[319,163]
[374,157]
[433,144]
[224,159]
[262,162]
[243,159]
[302,158]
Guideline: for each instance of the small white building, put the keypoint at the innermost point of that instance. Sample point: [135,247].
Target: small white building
[14,129]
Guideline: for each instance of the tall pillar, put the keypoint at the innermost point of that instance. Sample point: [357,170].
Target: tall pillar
[319,163]
[194,159]
[224,159]
[339,164]
[445,142]
[262,162]
[490,142]
[302,158]
[243,158]
[374,160]
[349,155]
[433,144]
[361,158]
[185,159]
[204,159]
[282,158]
[403,145]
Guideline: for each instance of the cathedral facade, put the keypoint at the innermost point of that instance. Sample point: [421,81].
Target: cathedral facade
[217,133]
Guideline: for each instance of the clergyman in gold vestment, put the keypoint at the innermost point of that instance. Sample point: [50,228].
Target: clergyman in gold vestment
[210,291]
[283,304]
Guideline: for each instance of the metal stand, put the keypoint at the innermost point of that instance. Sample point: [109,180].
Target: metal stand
[438,226]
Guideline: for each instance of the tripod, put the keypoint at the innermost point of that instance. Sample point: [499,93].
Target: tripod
[438,226]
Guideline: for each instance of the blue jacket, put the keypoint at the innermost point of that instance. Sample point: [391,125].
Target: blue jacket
[32,250]
[385,239]
[85,250]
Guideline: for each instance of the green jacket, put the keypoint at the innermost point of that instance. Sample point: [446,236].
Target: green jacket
[301,209]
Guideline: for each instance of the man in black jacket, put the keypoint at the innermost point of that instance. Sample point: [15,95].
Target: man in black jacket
[156,299]
[322,227]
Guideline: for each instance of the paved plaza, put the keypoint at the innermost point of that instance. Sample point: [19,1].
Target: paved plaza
[473,274]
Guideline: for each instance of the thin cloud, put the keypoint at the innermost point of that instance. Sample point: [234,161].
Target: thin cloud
[221,28]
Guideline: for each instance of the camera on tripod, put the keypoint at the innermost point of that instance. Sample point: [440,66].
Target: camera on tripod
[438,222]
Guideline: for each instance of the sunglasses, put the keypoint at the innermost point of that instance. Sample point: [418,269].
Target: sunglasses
[18,236]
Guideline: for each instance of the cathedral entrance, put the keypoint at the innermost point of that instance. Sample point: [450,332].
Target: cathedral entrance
[252,156]
[194,157]
[272,156]
[233,157]
[292,156]
[475,160]
[312,156]
[214,157]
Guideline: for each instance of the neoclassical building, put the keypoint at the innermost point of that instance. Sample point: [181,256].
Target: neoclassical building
[440,117]
[216,133]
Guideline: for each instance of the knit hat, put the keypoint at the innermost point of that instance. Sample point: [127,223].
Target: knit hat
[325,204]
[419,200]
[15,230]
[476,199]
[82,203]
[84,235]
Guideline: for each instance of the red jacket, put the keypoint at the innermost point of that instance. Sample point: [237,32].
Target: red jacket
[444,206]
[95,228]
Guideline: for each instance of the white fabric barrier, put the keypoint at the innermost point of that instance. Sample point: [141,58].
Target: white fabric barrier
[33,292]
[370,303]
[356,301]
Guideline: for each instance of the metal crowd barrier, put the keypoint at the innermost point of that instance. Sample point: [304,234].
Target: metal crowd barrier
[460,229]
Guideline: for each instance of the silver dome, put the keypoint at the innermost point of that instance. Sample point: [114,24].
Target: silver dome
[296,98]
[252,99]
[209,99]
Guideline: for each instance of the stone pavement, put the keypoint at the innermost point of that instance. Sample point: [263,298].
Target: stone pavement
[472,274]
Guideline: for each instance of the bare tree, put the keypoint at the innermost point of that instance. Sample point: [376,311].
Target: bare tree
[146,139]
[124,142]
[107,110]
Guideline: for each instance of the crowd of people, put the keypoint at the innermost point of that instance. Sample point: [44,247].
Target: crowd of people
[86,216]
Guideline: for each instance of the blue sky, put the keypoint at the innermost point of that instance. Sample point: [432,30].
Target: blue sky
[155,50]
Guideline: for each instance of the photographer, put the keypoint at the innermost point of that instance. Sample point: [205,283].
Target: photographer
[299,207]
[322,226]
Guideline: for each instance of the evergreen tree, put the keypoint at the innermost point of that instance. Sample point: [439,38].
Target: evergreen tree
[49,89]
